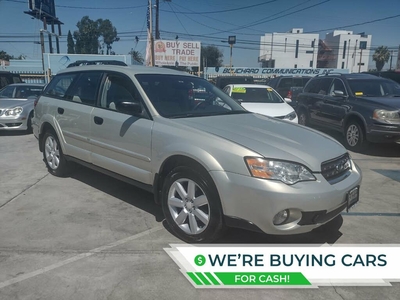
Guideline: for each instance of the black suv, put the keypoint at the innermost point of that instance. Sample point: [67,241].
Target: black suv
[289,86]
[361,106]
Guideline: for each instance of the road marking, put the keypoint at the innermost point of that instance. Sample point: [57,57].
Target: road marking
[77,257]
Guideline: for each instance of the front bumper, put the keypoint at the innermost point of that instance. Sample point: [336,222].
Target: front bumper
[257,201]
[383,133]
[13,123]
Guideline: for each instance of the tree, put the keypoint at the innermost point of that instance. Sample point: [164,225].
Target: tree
[70,43]
[108,32]
[87,36]
[5,56]
[136,56]
[211,56]
[381,56]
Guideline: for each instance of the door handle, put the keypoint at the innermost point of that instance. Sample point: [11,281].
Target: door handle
[60,110]
[98,120]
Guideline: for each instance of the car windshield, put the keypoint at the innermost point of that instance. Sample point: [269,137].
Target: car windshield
[374,88]
[176,96]
[256,94]
[20,91]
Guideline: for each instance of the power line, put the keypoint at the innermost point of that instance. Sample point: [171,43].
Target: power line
[84,7]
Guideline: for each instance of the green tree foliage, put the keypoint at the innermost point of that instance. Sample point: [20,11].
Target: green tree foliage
[108,32]
[87,36]
[70,43]
[136,56]
[381,56]
[5,56]
[211,56]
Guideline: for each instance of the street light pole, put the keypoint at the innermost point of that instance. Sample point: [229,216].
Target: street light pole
[231,41]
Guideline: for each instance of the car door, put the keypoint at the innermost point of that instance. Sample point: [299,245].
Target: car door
[121,142]
[334,107]
[317,90]
[73,96]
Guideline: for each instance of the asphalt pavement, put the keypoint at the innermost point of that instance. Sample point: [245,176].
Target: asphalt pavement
[89,236]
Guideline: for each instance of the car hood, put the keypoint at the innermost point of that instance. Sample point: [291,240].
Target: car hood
[10,103]
[271,138]
[268,109]
[393,102]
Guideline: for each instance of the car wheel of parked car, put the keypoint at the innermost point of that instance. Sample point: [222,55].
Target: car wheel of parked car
[354,136]
[192,206]
[303,118]
[53,155]
[29,123]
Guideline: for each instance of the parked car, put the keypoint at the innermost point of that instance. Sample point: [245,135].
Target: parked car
[361,106]
[210,163]
[16,105]
[289,86]
[7,78]
[261,99]
[223,81]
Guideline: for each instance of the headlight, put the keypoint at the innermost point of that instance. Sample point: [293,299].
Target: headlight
[386,116]
[287,172]
[290,116]
[13,111]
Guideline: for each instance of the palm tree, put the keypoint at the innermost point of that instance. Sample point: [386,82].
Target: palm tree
[381,56]
[136,56]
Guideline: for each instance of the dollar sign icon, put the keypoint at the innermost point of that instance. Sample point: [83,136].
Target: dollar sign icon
[200,260]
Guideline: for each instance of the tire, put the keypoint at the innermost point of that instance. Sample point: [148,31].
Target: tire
[303,118]
[53,155]
[192,218]
[354,136]
[29,123]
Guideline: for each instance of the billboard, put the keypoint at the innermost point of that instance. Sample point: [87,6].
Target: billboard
[43,6]
[177,53]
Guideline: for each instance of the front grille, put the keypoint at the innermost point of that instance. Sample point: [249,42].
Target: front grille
[335,168]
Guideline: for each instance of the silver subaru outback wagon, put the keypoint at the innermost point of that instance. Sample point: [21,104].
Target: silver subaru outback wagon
[208,161]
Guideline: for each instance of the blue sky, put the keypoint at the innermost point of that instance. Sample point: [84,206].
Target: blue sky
[207,21]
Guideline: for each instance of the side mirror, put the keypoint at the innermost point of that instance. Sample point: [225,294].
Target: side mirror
[337,93]
[130,108]
[288,100]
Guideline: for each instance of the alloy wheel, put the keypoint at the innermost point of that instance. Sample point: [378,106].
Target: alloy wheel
[52,152]
[189,206]
[352,135]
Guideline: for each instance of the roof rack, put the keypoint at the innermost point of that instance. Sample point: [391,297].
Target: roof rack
[329,73]
[96,62]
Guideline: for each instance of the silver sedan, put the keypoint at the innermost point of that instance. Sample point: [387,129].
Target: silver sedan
[16,105]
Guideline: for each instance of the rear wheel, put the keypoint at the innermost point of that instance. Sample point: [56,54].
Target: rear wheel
[191,206]
[53,155]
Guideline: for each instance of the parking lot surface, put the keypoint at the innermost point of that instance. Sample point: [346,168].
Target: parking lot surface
[89,236]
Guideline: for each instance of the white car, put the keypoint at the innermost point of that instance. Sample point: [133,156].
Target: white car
[262,99]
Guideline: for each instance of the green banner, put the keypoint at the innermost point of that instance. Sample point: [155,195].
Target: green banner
[249,278]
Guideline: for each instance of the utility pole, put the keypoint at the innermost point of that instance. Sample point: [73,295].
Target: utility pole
[157,19]
[391,56]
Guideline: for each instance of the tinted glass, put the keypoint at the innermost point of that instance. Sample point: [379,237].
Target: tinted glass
[7,92]
[175,96]
[59,85]
[286,83]
[374,88]
[24,92]
[259,95]
[85,89]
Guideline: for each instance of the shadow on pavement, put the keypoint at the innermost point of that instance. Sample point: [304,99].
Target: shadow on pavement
[13,133]
[119,189]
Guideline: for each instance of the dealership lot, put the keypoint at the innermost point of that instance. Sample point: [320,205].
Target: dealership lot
[89,236]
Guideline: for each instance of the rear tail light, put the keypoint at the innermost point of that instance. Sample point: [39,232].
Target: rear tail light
[289,95]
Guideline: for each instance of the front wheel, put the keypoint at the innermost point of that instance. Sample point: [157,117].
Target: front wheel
[191,205]
[354,136]
[53,155]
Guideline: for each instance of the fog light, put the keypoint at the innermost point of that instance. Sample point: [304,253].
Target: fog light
[281,217]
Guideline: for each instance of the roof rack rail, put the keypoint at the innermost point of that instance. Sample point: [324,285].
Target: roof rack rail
[329,73]
[96,62]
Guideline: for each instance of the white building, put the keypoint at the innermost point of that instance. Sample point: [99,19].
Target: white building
[346,49]
[293,49]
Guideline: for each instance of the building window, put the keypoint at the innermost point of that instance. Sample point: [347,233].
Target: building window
[313,44]
[309,51]
[344,49]
[296,55]
[295,66]
[311,63]
[342,64]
